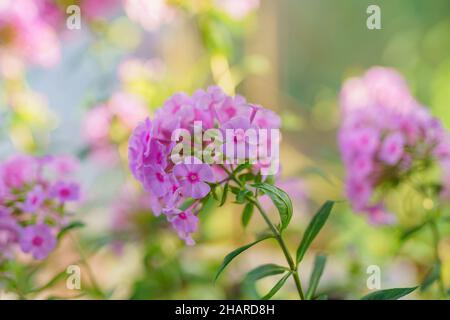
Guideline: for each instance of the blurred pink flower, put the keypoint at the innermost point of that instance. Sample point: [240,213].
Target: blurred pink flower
[238,9]
[9,234]
[384,132]
[26,35]
[18,171]
[37,240]
[34,199]
[96,125]
[150,14]
[122,109]
[65,191]
[95,9]
[391,150]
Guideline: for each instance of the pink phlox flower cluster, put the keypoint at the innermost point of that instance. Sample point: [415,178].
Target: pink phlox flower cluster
[384,136]
[33,193]
[170,184]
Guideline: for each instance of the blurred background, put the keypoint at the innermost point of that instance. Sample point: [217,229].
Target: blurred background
[288,55]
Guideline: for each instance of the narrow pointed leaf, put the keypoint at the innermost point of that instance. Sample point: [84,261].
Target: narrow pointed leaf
[431,277]
[389,294]
[229,257]
[411,231]
[224,195]
[319,266]
[313,229]
[258,273]
[69,227]
[247,214]
[277,287]
[281,201]
[57,278]
[263,271]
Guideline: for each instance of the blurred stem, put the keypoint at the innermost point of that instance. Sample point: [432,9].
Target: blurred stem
[436,239]
[84,261]
[283,246]
[292,266]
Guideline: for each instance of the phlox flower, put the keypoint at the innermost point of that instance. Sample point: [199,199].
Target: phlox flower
[38,240]
[185,223]
[35,198]
[65,191]
[194,177]
[156,180]
[392,148]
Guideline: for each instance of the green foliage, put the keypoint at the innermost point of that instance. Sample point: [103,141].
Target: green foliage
[71,226]
[281,201]
[389,294]
[229,257]
[313,229]
[432,276]
[224,195]
[247,214]
[319,266]
[263,271]
[277,287]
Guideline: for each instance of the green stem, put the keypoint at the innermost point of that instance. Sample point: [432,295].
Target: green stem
[283,246]
[436,239]
[91,275]
[276,233]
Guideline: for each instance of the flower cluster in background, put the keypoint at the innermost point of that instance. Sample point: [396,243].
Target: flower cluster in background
[385,136]
[171,185]
[34,192]
[109,123]
[26,36]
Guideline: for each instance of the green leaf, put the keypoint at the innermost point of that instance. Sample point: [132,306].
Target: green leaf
[258,273]
[322,297]
[224,195]
[319,266]
[389,294]
[281,201]
[60,276]
[277,286]
[247,214]
[229,257]
[215,192]
[235,190]
[313,229]
[431,277]
[413,230]
[69,227]
[241,196]
[263,271]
